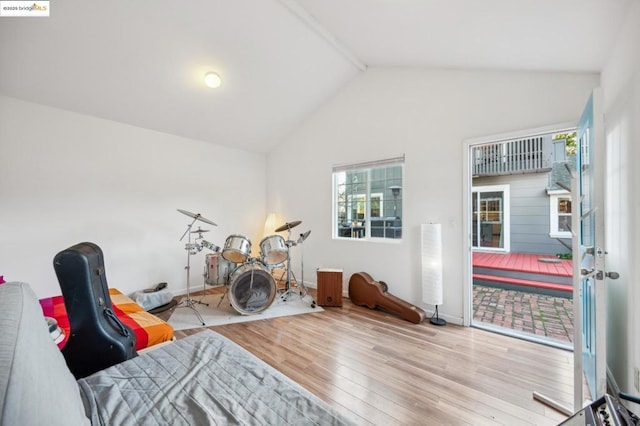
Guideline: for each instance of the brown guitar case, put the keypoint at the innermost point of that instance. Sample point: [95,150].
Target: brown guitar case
[364,291]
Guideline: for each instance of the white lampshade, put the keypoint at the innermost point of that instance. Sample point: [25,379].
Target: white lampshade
[270,224]
[432,290]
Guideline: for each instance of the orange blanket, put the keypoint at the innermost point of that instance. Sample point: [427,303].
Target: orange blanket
[149,329]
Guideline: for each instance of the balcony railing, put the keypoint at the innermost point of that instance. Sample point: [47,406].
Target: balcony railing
[527,155]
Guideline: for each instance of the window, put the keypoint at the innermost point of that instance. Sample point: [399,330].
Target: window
[491,225]
[560,214]
[367,202]
[491,210]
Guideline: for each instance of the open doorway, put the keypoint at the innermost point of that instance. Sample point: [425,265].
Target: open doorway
[519,215]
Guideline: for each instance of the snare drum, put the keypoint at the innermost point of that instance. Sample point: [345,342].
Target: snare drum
[273,250]
[217,269]
[252,288]
[236,248]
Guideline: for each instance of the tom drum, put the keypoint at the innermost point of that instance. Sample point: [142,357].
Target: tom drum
[210,246]
[273,250]
[236,248]
[252,288]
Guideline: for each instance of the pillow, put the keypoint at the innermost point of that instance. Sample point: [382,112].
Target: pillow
[36,386]
[152,300]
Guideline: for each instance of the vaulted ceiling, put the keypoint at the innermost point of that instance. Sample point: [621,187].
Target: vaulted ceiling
[142,63]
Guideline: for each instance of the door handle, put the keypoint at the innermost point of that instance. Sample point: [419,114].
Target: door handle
[586,273]
[611,275]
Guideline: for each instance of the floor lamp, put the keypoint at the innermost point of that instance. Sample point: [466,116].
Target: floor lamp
[432,289]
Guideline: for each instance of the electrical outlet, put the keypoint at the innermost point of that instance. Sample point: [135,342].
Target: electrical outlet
[636,378]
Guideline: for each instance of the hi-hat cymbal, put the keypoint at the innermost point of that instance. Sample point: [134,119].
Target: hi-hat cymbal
[288,225]
[197,216]
[199,231]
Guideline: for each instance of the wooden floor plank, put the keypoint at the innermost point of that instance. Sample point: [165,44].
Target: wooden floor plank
[378,369]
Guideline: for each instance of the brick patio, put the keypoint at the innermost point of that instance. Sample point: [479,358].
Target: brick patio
[539,314]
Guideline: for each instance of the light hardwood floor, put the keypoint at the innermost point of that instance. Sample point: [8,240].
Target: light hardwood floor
[379,369]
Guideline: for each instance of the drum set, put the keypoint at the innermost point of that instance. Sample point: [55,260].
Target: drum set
[249,281]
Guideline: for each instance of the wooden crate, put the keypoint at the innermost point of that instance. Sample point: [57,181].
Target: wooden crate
[329,287]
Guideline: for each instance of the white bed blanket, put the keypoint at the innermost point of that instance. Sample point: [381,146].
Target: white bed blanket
[203,379]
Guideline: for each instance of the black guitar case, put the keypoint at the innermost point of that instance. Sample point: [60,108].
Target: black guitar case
[98,339]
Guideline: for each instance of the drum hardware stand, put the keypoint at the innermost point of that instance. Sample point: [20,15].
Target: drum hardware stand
[287,227]
[287,287]
[226,289]
[303,289]
[192,249]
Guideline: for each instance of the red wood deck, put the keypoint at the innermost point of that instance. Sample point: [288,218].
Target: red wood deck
[524,283]
[523,262]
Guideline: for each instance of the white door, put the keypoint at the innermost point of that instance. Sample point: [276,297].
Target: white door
[490,218]
[589,255]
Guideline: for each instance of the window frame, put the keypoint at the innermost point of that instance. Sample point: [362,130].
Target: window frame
[364,224]
[554,214]
[505,216]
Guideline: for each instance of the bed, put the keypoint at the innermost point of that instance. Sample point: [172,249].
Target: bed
[148,329]
[203,379]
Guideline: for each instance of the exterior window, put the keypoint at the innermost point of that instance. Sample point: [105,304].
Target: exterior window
[560,216]
[491,210]
[368,200]
[377,206]
[491,219]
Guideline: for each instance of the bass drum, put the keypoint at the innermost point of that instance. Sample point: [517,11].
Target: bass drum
[217,269]
[252,289]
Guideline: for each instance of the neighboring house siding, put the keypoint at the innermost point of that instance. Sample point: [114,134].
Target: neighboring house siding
[529,212]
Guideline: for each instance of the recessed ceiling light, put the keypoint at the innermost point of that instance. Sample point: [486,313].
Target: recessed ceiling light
[212,80]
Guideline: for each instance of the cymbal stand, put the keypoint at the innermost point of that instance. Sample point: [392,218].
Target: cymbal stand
[289,273]
[188,302]
[288,288]
[304,291]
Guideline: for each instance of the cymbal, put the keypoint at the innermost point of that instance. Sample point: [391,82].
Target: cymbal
[199,231]
[197,216]
[288,225]
[303,237]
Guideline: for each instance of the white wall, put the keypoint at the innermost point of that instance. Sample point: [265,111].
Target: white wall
[67,178]
[425,114]
[621,88]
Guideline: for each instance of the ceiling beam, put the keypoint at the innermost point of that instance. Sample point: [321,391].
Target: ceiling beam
[312,23]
